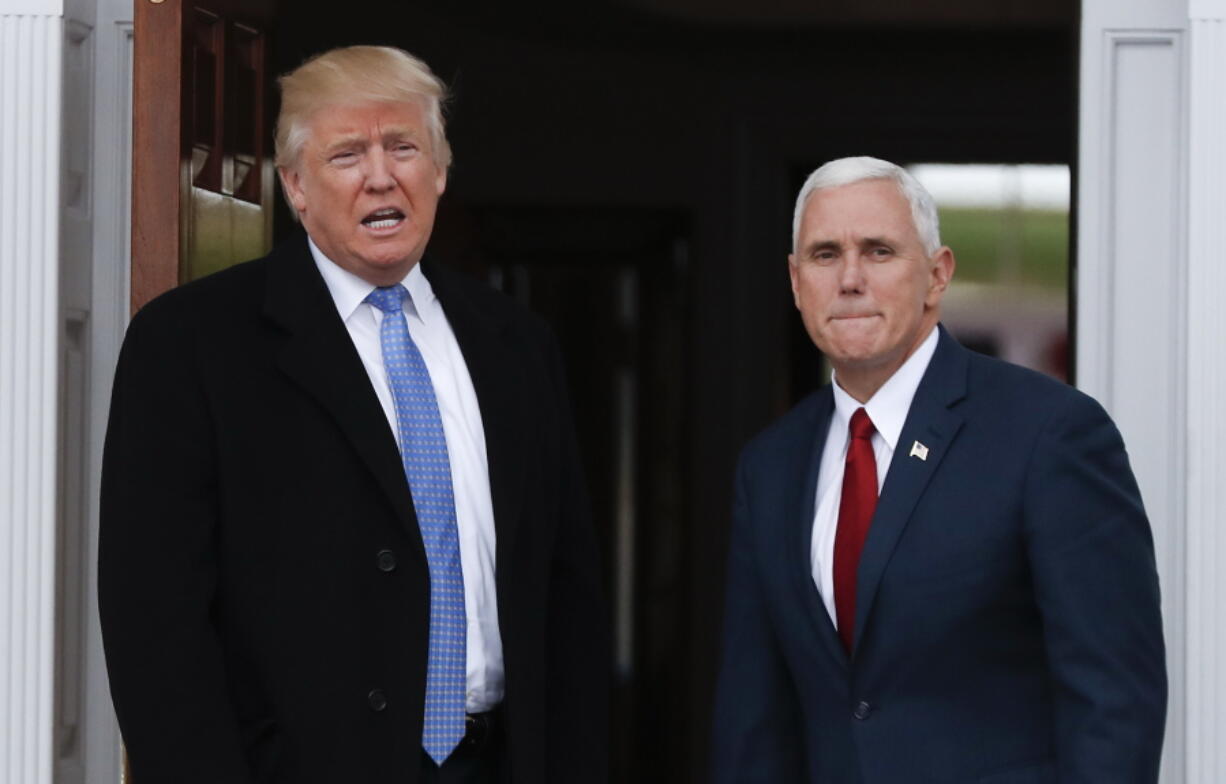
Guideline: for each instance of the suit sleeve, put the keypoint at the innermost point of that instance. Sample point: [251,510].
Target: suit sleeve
[578,641]
[756,726]
[157,570]
[1096,585]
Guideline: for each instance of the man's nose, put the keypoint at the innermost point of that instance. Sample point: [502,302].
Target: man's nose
[378,173]
[851,273]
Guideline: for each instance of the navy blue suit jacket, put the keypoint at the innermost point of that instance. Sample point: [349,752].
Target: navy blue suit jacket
[1007,623]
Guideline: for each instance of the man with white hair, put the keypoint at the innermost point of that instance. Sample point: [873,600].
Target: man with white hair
[940,569]
[344,532]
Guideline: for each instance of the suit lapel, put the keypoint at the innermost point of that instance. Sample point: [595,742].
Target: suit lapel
[800,543]
[497,371]
[930,423]
[319,356]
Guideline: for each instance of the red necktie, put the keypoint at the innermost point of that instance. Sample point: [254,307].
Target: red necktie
[855,513]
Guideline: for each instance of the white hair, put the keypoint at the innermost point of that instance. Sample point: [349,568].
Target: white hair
[845,171]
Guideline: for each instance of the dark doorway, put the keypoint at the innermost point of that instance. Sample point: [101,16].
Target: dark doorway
[627,169]
[614,280]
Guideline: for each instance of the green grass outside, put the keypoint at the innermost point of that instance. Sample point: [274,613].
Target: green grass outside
[1008,246]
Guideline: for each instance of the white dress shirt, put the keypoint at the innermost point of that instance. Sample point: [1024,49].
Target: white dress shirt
[888,411]
[462,427]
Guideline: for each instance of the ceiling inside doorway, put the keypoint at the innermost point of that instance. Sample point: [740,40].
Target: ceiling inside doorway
[824,13]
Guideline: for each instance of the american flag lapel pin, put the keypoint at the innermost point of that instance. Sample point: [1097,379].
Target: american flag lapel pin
[919,450]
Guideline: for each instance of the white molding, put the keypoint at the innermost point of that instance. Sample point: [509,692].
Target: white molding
[1131,272]
[112,169]
[76,259]
[31,7]
[30,77]
[1107,196]
[1132,285]
[1206,10]
[1205,390]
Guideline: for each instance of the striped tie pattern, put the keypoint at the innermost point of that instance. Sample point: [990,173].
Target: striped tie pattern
[423,449]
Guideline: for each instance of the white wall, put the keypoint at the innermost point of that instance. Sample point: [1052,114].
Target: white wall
[1151,332]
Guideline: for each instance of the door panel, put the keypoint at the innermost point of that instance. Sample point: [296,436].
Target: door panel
[202,176]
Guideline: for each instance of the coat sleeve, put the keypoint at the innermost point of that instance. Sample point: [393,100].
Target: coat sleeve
[157,570]
[578,643]
[1096,585]
[756,737]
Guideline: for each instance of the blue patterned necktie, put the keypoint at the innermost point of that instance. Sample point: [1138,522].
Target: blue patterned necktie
[423,449]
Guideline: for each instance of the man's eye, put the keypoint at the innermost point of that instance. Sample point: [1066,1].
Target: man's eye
[882,253]
[825,256]
[344,157]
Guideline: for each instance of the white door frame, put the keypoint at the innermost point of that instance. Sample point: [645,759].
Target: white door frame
[1151,326]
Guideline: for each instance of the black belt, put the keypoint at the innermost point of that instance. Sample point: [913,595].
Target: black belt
[480,729]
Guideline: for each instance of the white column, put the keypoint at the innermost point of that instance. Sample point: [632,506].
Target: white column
[31,35]
[1205,393]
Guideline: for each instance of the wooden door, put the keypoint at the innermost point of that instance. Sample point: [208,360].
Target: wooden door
[202,173]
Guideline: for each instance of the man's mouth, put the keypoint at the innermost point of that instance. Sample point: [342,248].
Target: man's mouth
[386,218]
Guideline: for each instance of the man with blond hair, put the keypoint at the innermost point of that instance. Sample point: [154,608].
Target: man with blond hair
[344,533]
[940,569]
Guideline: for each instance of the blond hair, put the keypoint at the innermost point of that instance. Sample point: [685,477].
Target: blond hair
[358,74]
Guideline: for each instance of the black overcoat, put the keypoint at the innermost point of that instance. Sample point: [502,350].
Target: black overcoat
[263,586]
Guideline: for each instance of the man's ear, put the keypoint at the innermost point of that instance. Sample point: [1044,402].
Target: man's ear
[291,182]
[943,265]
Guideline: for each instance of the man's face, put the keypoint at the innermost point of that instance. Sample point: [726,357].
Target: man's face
[866,291]
[365,186]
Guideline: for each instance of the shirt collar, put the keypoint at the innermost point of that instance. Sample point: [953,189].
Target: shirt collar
[889,406]
[349,291]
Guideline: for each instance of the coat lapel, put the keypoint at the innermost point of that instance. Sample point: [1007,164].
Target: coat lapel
[800,543]
[319,356]
[497,371]
[932,424]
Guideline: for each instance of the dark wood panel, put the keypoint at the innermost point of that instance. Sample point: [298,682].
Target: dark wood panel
[199,119]
[157,97]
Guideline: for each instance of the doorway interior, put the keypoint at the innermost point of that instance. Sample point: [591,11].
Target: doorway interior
[627,169]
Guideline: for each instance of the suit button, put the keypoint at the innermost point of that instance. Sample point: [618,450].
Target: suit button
[386,560]
[377,700]
[863,709]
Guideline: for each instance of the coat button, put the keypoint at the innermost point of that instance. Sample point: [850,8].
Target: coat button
[377,700]
[863,709]
[385,560]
